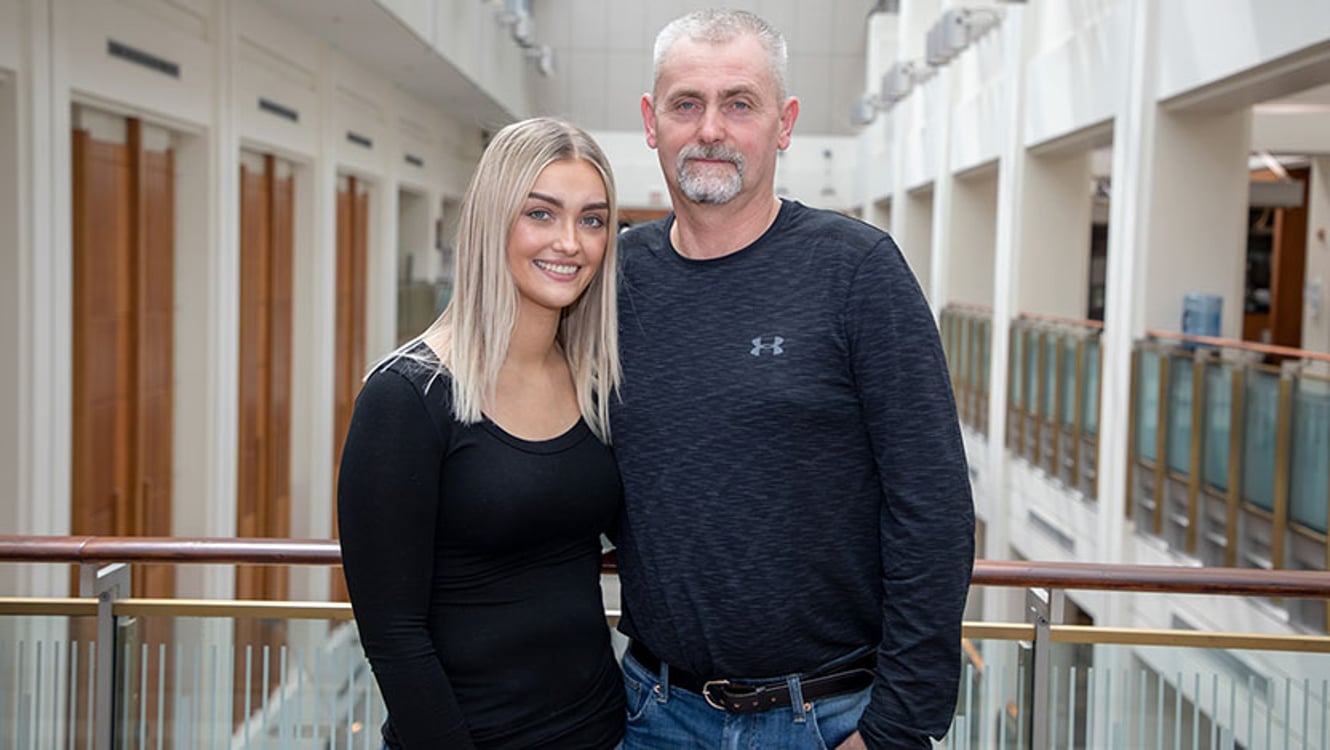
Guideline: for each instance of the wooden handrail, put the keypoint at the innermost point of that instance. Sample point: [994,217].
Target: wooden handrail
[1249,346]
[1022,574]
[1060,320]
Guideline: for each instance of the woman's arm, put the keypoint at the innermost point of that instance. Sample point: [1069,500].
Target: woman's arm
[387,504]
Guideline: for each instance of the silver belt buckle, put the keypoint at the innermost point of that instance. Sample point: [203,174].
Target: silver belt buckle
[706,693]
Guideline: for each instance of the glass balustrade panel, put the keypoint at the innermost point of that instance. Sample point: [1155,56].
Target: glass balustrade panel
[1216,423]
[1260,427]
[1147,403]
[1310,455]
[1090,386]
[1179,413]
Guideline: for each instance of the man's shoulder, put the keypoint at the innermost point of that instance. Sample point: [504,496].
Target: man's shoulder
[835,226]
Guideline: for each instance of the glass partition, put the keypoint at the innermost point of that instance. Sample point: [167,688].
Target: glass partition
[1050,385]
[1310,454]
[1217,424]
[1090,386]
[1147,403]
[1017,384]
[1260,427]
[1179,413]
[1068,380]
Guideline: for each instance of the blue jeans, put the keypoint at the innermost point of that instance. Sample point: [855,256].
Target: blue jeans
[661,716]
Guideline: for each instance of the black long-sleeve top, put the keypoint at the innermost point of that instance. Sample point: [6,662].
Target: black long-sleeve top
[795,481]
[473,560]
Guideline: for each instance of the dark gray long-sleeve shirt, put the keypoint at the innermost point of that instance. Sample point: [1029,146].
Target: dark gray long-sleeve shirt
[795,481]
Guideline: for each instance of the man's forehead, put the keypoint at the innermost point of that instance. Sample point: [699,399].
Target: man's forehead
[739,62]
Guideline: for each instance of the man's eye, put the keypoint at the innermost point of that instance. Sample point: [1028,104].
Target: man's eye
[687,106]
[741,106]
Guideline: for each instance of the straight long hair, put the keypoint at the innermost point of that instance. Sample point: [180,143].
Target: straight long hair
[471,336]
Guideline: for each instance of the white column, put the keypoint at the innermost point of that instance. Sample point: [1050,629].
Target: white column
[222,329]
[45,268]
[1006,274]
[1129,213]
[944,182]
[911,216]
[1316,298]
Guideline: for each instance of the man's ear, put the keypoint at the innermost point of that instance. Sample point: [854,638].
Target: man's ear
[789,112]
[649,119]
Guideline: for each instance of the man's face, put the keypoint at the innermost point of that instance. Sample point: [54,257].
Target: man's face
[716,120]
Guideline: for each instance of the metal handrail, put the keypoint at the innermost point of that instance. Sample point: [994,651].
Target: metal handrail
[1010,573]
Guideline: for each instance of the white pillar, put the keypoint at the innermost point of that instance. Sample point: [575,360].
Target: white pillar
[45,287]
[1129,213]
[1007,258]
[221,382]
[1316,299]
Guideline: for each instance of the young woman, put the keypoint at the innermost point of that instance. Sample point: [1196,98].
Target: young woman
[476,478]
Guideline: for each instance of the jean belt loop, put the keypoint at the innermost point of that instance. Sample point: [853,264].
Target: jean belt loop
[797,700]
[663,686]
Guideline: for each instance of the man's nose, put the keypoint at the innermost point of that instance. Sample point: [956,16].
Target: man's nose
[711,128]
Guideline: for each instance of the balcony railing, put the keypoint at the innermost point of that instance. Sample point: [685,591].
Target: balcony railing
[106,669]
[1229,441]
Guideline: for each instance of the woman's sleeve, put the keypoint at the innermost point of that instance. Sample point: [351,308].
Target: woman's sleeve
[387,505]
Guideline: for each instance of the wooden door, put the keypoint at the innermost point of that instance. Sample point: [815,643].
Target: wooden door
[349,338]
[123,367]
[263,503]
[124,298]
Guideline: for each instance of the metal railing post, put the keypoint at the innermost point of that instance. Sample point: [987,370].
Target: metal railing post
[1044,607]
[107,584]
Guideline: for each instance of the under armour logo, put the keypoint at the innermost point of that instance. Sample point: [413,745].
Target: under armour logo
[774,347]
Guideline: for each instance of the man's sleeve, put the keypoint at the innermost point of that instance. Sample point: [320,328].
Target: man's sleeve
[927,518]
[387,506]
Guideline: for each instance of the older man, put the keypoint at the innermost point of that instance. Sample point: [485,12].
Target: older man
[797,536]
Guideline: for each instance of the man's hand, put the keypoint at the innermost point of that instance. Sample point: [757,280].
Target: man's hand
[853,742]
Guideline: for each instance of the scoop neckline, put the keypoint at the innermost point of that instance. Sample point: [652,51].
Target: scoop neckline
[570,437]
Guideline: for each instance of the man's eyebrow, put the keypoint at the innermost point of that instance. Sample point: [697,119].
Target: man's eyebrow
[729,93]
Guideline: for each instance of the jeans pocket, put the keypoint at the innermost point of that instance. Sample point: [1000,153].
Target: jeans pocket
[639,698]
[832,720]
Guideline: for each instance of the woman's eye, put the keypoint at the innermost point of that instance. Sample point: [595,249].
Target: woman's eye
[539,214]
[593,222]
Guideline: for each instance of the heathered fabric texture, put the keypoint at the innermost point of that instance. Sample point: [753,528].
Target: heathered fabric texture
[795,481]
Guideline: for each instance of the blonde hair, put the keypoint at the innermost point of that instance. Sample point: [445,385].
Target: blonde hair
[471,335]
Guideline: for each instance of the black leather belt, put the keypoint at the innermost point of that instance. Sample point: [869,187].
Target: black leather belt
[740,697]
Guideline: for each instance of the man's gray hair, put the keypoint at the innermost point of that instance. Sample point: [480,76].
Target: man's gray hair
[716,25]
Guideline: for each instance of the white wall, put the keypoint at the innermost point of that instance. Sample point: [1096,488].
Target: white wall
[973,228]
[1214,40]
[1075,76]
[1055,248]
[803,173]
[10,24]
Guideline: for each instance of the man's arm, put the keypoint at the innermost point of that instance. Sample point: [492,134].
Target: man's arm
[927,518]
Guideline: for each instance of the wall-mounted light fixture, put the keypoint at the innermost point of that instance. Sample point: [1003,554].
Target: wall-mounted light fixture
[516,15]
[957,29]
[895,85]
